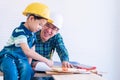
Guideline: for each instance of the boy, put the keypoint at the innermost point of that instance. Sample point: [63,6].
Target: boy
[14,56]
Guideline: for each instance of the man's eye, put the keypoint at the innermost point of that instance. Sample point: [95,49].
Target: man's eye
[47,25]
[54,28]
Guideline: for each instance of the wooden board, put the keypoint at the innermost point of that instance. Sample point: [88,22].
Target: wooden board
[57,73]
[78,77]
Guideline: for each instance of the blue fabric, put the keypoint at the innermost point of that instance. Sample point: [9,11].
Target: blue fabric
[13,62]
[43,78]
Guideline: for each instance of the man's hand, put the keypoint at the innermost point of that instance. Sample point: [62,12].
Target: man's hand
[66,64]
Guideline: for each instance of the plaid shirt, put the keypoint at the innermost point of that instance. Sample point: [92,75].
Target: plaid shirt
[47,48]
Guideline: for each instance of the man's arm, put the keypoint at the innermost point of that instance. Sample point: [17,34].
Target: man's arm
[62,51]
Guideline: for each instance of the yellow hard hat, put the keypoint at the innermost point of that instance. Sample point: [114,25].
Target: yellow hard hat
[38,9]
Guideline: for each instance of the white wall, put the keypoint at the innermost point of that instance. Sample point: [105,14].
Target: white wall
[90,30]
[117,42]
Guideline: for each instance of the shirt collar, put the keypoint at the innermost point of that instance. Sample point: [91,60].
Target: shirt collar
[27,31]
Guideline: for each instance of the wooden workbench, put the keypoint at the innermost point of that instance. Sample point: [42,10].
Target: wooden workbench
[69,76]
[78,77]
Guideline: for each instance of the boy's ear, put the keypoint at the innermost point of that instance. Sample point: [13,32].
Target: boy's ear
[31,17]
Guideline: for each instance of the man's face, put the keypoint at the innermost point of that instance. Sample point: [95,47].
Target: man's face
[48,31]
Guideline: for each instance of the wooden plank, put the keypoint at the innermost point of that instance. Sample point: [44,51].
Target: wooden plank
[69,76]
[36,75]
[78,77]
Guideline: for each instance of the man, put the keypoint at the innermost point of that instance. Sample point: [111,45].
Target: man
[49,40]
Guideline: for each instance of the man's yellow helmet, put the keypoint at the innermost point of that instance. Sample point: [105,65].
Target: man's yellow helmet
[38,9]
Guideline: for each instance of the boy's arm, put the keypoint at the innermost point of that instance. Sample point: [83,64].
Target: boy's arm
[29,58]
[34,55]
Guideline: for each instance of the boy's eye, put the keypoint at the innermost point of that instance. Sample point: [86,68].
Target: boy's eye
[47,24]
[41,25]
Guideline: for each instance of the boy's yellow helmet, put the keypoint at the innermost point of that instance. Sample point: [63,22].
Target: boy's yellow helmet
[39,9]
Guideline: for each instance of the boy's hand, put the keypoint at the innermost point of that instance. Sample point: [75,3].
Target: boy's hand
[50,63]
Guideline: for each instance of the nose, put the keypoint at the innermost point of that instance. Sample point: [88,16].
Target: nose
[49,30]
[39,28]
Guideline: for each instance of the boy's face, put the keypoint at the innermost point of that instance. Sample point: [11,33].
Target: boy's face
[48,31]
[36,24]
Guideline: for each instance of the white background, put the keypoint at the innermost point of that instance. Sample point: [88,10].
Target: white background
[90,30]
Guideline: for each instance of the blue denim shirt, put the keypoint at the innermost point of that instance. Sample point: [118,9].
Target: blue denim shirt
[19,35]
